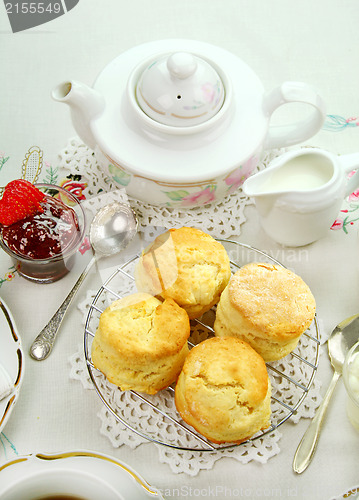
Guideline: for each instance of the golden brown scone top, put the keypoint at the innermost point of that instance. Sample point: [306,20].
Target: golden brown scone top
[154,326]
[273,298]
[227,363]
[186,264]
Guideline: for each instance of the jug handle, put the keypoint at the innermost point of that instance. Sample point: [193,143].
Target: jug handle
[350,162]
[280,136]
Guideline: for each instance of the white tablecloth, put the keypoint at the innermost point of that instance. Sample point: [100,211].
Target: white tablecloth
[314,42]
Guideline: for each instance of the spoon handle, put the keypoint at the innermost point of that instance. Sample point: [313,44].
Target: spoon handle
[306,448]
[44,342]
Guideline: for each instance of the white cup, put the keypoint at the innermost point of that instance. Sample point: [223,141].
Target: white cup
[46,484]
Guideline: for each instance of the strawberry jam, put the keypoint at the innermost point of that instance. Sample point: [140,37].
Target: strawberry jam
[43,235]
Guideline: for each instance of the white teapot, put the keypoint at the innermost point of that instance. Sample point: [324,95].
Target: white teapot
[181,122]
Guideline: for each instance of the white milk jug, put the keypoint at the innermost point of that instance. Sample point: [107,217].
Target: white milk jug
[299,195]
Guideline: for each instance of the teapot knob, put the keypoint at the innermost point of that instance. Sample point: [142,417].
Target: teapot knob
[179,89]
[181,65]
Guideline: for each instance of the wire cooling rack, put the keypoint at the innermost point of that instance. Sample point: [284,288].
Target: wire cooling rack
[155,418]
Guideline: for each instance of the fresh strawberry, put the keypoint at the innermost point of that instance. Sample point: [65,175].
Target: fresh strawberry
[26,189]
[20,199]
[23,194]
[26,186]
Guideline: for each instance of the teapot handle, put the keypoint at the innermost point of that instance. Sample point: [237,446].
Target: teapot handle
[280,136]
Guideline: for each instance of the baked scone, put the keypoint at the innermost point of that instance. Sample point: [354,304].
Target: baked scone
[266,305]
[186,265]
[141,343]
[224,390]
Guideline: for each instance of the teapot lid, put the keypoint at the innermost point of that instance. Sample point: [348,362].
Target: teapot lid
[180,89]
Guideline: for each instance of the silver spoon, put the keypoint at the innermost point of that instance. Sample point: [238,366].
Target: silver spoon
[111,230]
[343,337]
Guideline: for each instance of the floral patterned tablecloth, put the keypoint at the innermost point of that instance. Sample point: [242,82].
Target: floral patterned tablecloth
[78,172]
[313,42]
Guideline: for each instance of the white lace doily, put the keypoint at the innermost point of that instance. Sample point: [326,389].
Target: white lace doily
[222,220]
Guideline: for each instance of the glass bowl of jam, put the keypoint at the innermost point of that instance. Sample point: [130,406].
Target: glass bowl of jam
[43,246]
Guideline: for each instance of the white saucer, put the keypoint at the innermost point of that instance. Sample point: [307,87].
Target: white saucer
[11,358]
[127,482]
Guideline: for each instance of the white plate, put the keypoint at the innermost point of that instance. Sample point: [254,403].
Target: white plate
[11,358]
[117,474]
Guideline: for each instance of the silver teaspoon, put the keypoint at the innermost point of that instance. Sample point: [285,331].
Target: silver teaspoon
[111,230]
[343,337]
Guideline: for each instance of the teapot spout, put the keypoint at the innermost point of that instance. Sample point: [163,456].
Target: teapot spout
[86,104]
